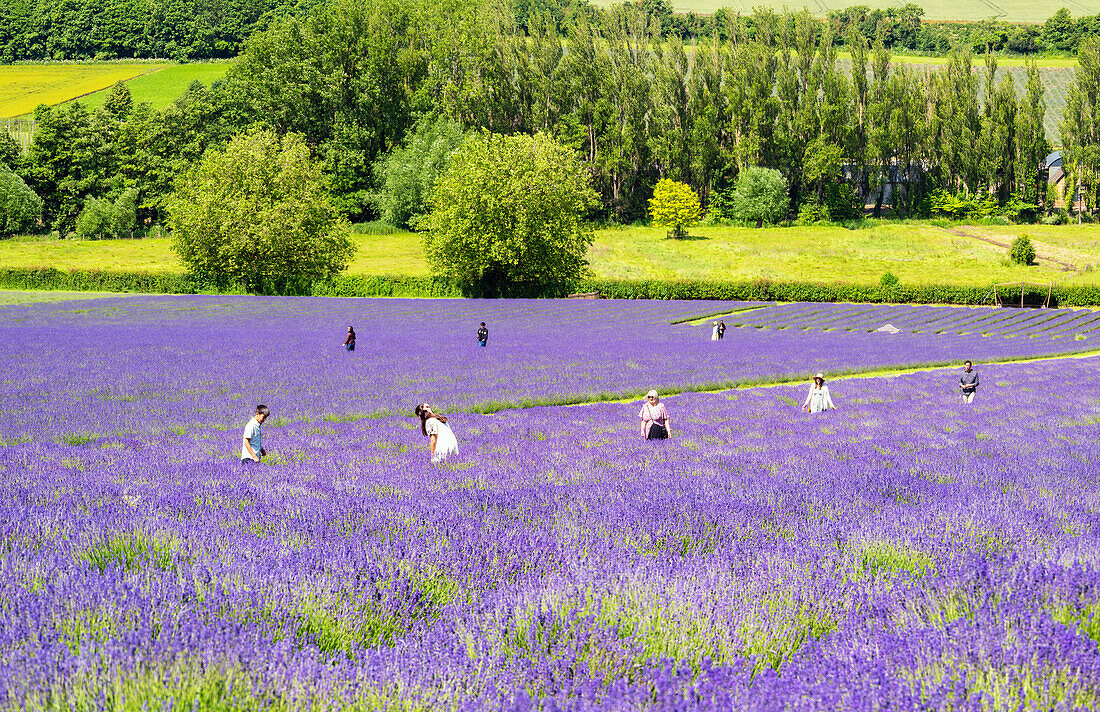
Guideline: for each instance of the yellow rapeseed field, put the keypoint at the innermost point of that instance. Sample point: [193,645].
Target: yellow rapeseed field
[25,86]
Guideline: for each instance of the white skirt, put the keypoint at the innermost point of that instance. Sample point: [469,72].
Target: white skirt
[445,443]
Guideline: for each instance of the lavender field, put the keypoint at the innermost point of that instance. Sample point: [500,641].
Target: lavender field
[902,552]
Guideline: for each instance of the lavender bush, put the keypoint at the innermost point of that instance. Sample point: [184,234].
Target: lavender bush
[903,552]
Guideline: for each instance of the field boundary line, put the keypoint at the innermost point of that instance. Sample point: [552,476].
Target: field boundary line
[839,376]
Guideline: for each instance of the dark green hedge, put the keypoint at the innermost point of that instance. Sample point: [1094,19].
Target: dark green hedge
[359,286]
[763,290]
[760,290]
[767,291]
[96,281]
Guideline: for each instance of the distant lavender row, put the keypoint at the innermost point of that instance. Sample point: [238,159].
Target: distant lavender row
[983,321]
[903,552]
[146,364]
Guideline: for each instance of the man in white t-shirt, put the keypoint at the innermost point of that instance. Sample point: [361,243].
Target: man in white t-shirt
[252,445]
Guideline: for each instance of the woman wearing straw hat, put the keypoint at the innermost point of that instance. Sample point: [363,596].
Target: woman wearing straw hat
[654,415]
[818,398]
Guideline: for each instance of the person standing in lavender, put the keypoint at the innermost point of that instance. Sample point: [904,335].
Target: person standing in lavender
[968,383]
[714,332]
[482,335]
[252,446]
[654,415]
[349,342]
[441,440]
[818,399]
[721,330]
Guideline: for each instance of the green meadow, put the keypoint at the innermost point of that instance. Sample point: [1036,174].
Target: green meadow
[917,253]
[162,87]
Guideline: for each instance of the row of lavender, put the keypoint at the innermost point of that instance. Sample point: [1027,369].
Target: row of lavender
[1070,324]
[904,552]
[153,365]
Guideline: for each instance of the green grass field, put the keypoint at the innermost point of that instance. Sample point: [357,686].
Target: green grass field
[25,86]
[162,87]
[917,253]
[9,297]
[934,10]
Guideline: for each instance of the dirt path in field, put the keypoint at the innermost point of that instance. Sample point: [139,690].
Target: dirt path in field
[1043,251]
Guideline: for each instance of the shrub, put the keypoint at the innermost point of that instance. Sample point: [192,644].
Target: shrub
[102,218]
[811,213]
[1022,251]
[760,196]
[962,205]
[889,281]
[20,207]
[842,203]
[721,205]
[257,213]
[675,206]
[1019,210]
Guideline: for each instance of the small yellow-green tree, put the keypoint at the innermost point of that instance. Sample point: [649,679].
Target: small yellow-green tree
[674,205]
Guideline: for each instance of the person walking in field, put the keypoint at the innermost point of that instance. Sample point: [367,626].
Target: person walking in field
[721,330]
[252,445]
[714,333]
[349,342]
[441,441]
[482,336]
[818,399]
[654,415]
[968,383]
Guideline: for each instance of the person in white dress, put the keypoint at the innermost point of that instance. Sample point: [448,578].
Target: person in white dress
[714,332]
[818,398]
[441,441]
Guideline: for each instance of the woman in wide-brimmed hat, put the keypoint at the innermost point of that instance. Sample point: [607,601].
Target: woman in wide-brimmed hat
[818,398]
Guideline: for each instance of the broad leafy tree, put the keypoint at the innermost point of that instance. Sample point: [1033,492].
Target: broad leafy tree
[64,163]
[257,214]
[20,208]
[508,216]
[760,196]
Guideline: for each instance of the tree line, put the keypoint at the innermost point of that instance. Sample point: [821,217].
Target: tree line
[133,29]
[36,30]
[382,91]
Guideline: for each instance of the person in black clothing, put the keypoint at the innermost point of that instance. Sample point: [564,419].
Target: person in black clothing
[721,330]
[482,335]
[349,342]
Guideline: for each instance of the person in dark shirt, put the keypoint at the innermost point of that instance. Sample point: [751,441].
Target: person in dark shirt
[968,383]
[349,342]
[721,330]
[482,335]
